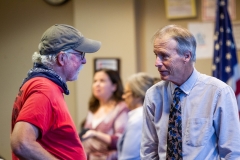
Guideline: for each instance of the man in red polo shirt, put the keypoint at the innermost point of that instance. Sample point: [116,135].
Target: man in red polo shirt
[42,127]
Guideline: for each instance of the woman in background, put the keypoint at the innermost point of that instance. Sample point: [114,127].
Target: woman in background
[106,118]
[135,89]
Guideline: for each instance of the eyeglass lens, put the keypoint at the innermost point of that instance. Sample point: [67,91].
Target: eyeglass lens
[83,55]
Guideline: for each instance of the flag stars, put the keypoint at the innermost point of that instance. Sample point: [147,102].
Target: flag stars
[222,3]
[217,46]
[228,30]
[228,56]
[213,67]
[228,43]
[222,16]
[224,59]
[227,69]
[221,29]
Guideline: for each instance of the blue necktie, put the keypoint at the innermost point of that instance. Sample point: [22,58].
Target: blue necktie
[174,136]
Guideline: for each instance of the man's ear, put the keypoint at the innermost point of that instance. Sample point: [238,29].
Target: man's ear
[60,58]
[187,56]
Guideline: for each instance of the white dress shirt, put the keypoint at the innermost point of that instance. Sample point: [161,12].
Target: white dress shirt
[210,121]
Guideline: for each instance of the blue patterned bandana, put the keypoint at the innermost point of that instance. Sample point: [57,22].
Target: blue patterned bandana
[39,70]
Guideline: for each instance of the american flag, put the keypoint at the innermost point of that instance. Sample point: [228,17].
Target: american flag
[225,63]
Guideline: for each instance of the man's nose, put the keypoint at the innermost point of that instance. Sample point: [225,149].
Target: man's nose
[158,62]
[84,61]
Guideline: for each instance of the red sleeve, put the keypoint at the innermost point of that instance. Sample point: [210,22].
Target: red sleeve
[37,110]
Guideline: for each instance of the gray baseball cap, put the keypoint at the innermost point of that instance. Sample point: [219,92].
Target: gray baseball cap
[60,37]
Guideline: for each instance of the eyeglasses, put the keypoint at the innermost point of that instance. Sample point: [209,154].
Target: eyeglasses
[79,53]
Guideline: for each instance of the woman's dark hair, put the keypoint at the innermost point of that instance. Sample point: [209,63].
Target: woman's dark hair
[117,95]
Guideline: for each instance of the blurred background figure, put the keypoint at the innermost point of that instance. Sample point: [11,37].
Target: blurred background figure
[156,79]
[135,89]
[107,116]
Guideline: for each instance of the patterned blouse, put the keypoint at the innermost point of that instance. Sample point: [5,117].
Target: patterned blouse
[113,124]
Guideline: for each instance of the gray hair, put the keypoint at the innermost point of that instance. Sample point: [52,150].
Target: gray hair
[139,83]
[48,59]
[186,41]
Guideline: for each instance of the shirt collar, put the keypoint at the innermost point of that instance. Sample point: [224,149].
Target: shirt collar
[187,86]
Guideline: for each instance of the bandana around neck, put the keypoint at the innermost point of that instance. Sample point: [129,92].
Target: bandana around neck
[40,70]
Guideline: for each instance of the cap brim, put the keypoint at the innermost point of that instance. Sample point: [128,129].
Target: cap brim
[89,46]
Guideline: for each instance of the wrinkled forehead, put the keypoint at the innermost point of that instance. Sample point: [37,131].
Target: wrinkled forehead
[164,46]
[162,39]
[164,42]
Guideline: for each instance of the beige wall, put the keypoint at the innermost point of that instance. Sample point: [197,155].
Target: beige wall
[111,22]
[125,28]
[155,18]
